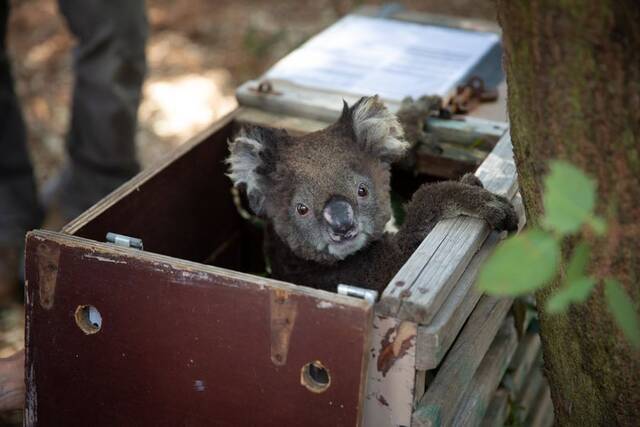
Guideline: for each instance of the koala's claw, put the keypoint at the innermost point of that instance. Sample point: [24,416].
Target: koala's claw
[501,215]
[471,179]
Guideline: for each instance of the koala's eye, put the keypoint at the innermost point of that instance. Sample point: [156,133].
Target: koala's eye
[362,190]
[302,209]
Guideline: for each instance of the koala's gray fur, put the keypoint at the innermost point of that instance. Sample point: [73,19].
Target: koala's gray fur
[280,172]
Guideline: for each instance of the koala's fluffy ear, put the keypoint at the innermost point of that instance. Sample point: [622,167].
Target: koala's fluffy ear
[252,158]
[376,129]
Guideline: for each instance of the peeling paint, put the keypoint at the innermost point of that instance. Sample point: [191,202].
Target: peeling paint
[103,259]
[48,257]
[324,304]
[394,345]
[382,400]
[283,312]
[199,385]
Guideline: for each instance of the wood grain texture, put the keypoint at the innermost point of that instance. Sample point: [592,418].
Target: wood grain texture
[435,267]
[478,395]
[435,339]
[468,131]
[445,393]
[498,409]
[183,343]
[293,125]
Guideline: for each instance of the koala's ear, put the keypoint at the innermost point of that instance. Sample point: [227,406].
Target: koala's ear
[376,129]
[252,157]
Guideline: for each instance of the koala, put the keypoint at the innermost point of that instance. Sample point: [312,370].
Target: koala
[325,197]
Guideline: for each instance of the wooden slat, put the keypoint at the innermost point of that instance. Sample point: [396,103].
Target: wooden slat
[438,404]
[486,379]
[498,409]
[522,363]
[471,131]
[542,413]
[528,395]
[298,101]
[436,266]
[435,339]
[420,387]
[292,124]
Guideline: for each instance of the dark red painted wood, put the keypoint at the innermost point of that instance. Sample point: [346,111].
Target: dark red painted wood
[185,211]
[180,343]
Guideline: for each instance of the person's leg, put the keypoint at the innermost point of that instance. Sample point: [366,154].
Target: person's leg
[19,207]
[109,65]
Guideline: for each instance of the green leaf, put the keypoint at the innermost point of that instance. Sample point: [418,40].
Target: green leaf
[598,225]
[521,264]
[578,263]
[569,198]
[623,310]
[575,291]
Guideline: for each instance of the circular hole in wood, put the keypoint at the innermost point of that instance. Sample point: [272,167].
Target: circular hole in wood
[315,377]
[88,319]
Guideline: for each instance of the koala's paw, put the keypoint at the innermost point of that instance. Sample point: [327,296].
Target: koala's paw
[471,179]
[500,213]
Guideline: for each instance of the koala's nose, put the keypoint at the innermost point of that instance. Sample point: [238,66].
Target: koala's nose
[339,215]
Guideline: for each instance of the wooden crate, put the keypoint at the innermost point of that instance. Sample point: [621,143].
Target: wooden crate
[179,342]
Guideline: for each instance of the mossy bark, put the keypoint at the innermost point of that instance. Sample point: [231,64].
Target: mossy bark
[573,70]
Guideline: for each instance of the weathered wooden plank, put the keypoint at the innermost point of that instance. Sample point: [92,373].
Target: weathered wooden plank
[528,395]
[444,394]
[436,266]
[420,387]
[289,99]
[389,395]
[478,395]
[498,409]
[522,363]
[183,343]
[542,413]
[292,124]
[473,132]
[452,151]
[435,339]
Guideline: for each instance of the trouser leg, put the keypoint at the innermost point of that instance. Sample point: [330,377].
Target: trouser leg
[109,65]
[19,207]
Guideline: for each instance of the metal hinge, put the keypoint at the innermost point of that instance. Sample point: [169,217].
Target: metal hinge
[126,241]
[354,291]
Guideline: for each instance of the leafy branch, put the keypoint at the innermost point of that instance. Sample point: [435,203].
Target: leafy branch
[529,261]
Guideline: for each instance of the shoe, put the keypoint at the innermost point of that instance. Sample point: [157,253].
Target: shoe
[9,274]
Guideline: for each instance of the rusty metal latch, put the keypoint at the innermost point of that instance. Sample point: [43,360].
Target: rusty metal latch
[354,291]
[469,95]
[126,241]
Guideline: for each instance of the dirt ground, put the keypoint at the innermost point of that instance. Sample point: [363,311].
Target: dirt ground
[198,52]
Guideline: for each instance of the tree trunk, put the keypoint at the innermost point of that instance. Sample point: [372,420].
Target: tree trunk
[573,70]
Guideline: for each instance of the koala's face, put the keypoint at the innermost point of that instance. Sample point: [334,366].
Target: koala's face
[326,193]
